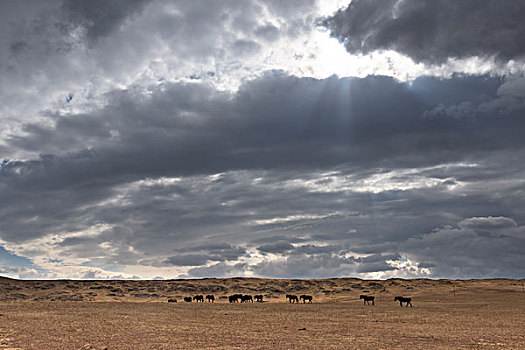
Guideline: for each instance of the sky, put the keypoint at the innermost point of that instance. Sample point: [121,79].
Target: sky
[166,139]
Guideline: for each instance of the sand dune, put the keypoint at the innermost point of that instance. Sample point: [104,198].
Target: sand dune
[273,290]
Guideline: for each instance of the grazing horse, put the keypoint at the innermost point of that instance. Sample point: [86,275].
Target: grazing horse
[258,298]
[210,298]
[292,298]
[404,300]
[246,298]
[305,297]
[187,299]
[367,299]
[235,298]
[199,298]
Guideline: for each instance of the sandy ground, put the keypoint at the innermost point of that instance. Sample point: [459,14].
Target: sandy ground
[486,314]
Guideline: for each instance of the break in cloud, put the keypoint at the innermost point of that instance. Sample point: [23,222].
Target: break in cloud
[249,166]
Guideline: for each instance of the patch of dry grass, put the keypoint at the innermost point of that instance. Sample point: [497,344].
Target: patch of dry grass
[485,314]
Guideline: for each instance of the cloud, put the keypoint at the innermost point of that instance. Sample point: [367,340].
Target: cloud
[312,249]
[198,144]
[99,18]
[268,32]
[277,247]
[432,31]
[213,252]
[218,270]
[188,260]
[167,173]
[466,250]
[323,173]
[310,266]
[20,272]
[490,223]
[355,120]
[376,263]
[87,49]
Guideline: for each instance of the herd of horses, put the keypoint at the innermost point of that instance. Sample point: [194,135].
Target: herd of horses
[246,298]
[197,298]
[370,298]
[293,298]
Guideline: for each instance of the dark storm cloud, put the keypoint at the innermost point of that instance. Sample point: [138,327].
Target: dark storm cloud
[58,22]
[376,262]
[225,250]
[432,31]
[316,249]
[99,17]
[87,48]
[463,251]
[208,252]
[286,177]
[188,260]
[277,247]
[218,270]
[272,239]
[186,174]
[379,266]
[311,266]
[276,121]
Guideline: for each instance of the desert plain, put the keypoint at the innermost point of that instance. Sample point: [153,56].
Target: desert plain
[122,314]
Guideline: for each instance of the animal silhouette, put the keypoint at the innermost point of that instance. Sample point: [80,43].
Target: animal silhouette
[404,300]
[234,298]
[198,298]
[305,297]
[246,298]
[367,299]
[258,298]
[210,298]
[292,298]
[187,299]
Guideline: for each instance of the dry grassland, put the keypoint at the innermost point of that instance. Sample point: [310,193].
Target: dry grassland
[483,314]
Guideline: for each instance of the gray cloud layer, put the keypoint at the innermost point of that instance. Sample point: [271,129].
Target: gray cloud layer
[284,177]
[97,17]
[335,176]
[432,31]
[53,50]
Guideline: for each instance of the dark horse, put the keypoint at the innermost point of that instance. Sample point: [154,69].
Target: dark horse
[210,298]
[367,299]
[305,297]
[292,298]
[258,298]
[235,298]
[187,299]
[198,298]
[403,300]
[246,298]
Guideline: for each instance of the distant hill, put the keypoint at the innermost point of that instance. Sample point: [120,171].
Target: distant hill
[273,290]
